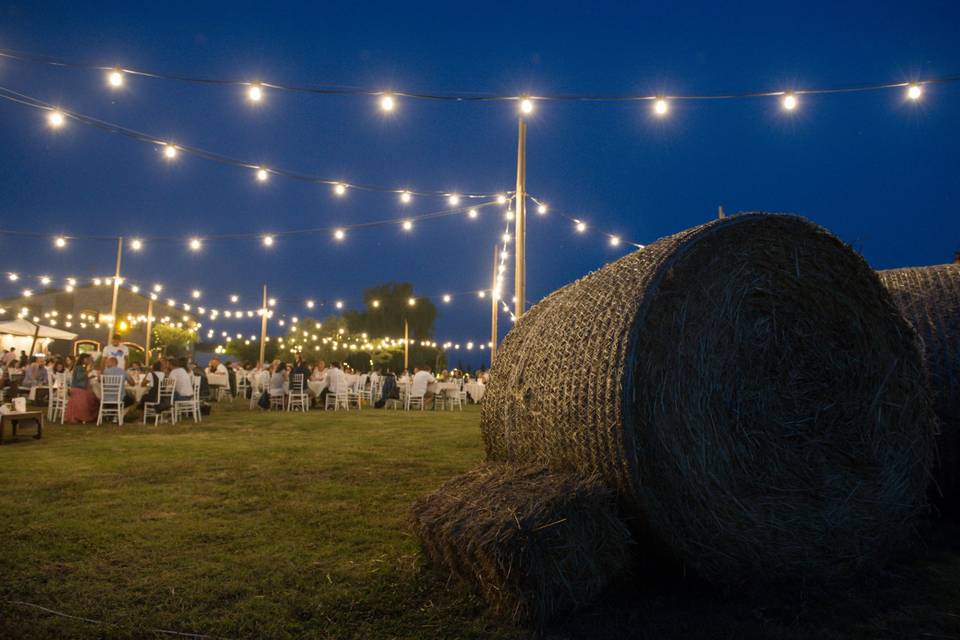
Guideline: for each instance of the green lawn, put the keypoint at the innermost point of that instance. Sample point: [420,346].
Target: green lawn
[270,525]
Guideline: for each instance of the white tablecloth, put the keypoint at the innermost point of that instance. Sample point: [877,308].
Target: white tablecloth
[475,390]
[218,379]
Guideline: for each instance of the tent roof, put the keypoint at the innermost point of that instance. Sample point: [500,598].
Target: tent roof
[21,327]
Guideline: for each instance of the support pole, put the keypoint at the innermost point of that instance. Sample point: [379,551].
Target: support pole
[493,307]
[720,213]
[263,326]
[116,289]
[406,345]
[520,253]
[146,342]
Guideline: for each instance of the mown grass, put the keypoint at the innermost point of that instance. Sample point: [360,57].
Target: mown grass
[269,525]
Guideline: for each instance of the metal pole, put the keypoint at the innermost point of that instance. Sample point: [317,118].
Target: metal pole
[116,288]
[146,342]
[406,345]
[520,266]
[493,308]
[263,326]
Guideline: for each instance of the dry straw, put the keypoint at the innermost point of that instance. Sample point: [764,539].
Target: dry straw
[533,542]
[929,298]
[748,388]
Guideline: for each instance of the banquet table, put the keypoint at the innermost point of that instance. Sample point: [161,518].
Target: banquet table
[475,390]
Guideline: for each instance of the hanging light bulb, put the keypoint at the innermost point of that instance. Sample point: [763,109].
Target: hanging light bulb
[375,304]
[506,237]
[195,244]
[262,174]
[789,102]
[501,199]
[581,226]
[508,215]
[195,293]
[45,280]
[614,241]
[115,78]
[914,91]
[405,197]
[309,304]
[56,119]
[542,209]
[136,244]
[169,151]
[158,288]
[660,107]
[407,225]
[453,199]
[387,103]
[412,302]
[234,298]
[268,241]
[526,106]
[339,234]
[13,277]
[60,242]
[255,92]
[472,213]
[340,189]
[481,294]
[339,304]
[446,297]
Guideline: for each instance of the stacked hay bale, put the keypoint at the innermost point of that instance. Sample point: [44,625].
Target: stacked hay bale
[747,387]
[929,298]
[533,541]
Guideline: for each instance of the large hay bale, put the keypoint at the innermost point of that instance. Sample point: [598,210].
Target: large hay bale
[929,298]
[747,386]
[532,541]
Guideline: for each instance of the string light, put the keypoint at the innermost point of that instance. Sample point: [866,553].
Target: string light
[542,209]
[481,294]
[407,225]
[157,288]
[411,301]
[262,174]
[405,197]
[309,304]
[195,293]
[453,199]
[340,189]
[56,119]
[446,298]
[169,151]
[387,103]
[526,106]
[339,304]
[789,102]
[914,91]
[339,234]
[255,92]
[60,242]
[501,199]
[614,241]
[268,241]
[195,244]
[508,215]
[660,107]
[472,213]
[375,304]
[581,226]
[45,280]
[234,298]
[136,244]
[13,277]
[115,78]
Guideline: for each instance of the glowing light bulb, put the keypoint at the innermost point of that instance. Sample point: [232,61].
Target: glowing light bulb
[68,289]
[526,105]
[255,93]
[27,293]
[914,91]
[60,242]
[581,226]
[339,234]
[481,294]
[340,189]
[272,302]
[405,197]
[45,280]
[56,119]
[508,215]
[501,199]
[195,244]
[453,199]
[309,304]
[542,209]
[234,298]
[13,277]
[407,225]
[789,102]
[136,244]
[446,297]
[472,213]
[387,103]
[195,293]
[339,305]
[614,241]
[268,241]
[158,288]
[506,237]
[115,78]
[660,107]
[411,301]
[169,151]
[135,289]
[71,281]
[262,174]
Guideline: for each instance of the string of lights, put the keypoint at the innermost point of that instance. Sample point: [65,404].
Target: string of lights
[58,117]
[256,89]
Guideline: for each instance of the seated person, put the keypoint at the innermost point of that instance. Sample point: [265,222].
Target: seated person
[182,381]
[421,380]
[111,368]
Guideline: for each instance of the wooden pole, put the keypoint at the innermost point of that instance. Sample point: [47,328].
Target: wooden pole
[263,326]
[720,213]
[406,345]
[116,289]
[146,342]
[520,253]
[493,307]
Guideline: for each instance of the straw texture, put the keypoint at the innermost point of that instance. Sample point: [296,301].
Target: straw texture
[929,298]
[748,388]
[533,542]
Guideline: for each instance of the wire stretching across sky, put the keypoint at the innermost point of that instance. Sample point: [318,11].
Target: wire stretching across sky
[468,96]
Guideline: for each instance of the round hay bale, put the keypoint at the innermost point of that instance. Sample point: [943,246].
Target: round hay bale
[929,298]
[747,386]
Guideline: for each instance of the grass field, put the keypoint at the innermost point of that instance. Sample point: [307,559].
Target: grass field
[269,525]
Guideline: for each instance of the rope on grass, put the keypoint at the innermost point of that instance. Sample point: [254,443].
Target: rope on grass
[183,634]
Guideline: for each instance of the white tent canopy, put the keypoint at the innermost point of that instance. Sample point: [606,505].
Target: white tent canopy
[27,329]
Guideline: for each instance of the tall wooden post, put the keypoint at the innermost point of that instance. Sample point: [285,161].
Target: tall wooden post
[406,344]
[116,288]
[720,213]
[520,253]
[493,307]
[263,326]
[146,342]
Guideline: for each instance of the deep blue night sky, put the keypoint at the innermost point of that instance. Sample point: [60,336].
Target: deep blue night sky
[876,170]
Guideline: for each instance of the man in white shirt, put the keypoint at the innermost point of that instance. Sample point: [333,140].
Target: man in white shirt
[182,381]
[335,382]
[422,378]
[118,351]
